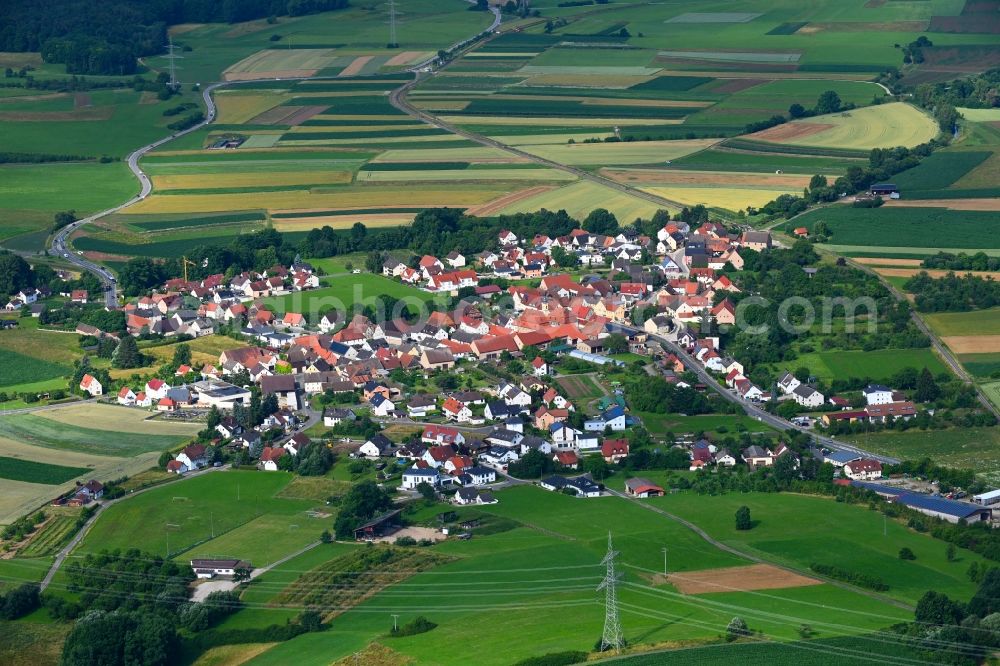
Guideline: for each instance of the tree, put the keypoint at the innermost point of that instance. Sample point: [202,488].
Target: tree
[127,354]
[564,259]
[15,274]
[828,102]
[743,521]
[927,389]
[164,459]
[362,502]
[737,628]
[616,343]
[325,536]
[311,620]
[601,221]
[426,491]
[597,466]
[182,355]
[986,600]
[374,261]
[214,418]
[796,111]
[937,609]
[906,554]
[950,552]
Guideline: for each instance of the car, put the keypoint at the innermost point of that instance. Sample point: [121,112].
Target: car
[356,271]
[80,252]
[66,254]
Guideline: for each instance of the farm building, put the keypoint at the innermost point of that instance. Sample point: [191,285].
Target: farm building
[987,499]
[884,190]
[952,511]
[642,488]
[379,526]
[213,568]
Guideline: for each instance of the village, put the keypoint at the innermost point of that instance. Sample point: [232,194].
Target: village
[464,431]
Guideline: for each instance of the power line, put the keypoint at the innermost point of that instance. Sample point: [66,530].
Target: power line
[612,637]
[393,43]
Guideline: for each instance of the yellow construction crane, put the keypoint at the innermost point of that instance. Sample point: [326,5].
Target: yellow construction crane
[184,264]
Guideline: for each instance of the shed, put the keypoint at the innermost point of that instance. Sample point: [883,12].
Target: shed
[379,526]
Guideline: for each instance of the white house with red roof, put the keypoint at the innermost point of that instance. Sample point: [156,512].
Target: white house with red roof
[539,367]
[90,384]
[126,397]
[156,389]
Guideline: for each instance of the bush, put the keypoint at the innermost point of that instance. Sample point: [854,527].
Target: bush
[852,577]
[555,659]
[421,625]
[906,554]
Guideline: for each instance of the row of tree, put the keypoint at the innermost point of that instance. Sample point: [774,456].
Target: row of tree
[953,293]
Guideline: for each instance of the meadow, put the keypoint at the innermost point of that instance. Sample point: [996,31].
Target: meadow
[721,424]
[14,368]
[38,430]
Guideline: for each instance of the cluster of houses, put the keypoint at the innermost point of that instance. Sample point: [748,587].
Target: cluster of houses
[882,405]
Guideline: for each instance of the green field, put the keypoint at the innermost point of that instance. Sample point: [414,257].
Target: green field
[878,365]
[231,505]
[976,448]
[47,433]
[36,472]
[799,530]
[660,424]
[343,293]
[976,322]
[14,368]
[528,578]
[981,365]
[906,227]
[881,126]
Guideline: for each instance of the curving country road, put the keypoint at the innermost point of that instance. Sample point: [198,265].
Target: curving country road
[758,412]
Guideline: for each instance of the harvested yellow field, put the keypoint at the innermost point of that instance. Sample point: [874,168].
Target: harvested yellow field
[730,198]
[238,107]
[118,419]
[886,261]
[236,180]
[430,138]
[486,175]
[580,198]
[660,177]
[543,139]
[951,204]
[356,66]
[880,126]
[606,123]
[473,153]
[270,63]
[370,220]
[304,199]
[232,655]
[586,81]
[18,498]
[11,448]
[408,58]
[973,344]
[605,154]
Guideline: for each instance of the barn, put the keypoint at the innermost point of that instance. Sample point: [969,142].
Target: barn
[379,526]
[884,190]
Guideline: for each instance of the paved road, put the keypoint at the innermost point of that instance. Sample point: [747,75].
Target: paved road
[756,411]
[754,558]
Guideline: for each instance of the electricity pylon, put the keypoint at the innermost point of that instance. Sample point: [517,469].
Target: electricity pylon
[612,638]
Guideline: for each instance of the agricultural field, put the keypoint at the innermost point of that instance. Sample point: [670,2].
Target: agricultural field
[976,322]
[910,230]
[35,472]
[881,126]
[977,448]
[878,365]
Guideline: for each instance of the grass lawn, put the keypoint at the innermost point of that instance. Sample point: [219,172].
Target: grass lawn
[19,570]
[15,367]
[976,322]
[799,530]
[976,448]
[344,294]
[660,424]
[228,504]
[878,365]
